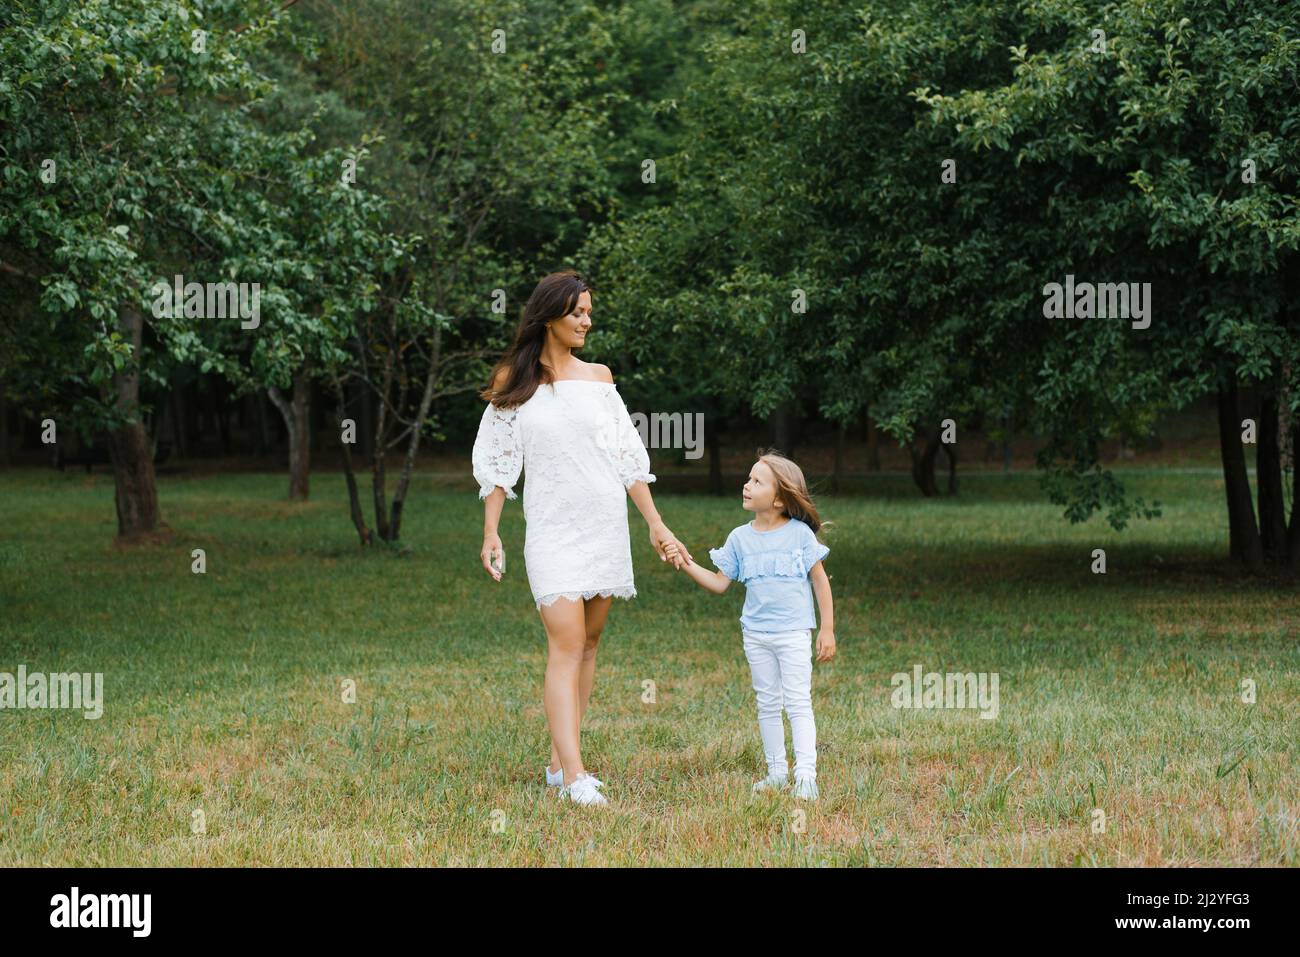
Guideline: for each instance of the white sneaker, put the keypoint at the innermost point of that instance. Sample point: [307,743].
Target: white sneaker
[583,790]
[773,782]
[805,788]
[555,779]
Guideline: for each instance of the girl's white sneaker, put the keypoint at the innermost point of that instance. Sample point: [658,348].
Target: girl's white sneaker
[773,782]
[805,788]
[583,790]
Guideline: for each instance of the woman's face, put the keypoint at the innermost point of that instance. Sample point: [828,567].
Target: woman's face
[571,330]
[759,493]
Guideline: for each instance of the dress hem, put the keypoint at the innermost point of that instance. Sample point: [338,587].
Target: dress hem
[620,591]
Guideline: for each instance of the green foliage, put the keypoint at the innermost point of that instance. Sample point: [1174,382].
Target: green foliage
[493,144]
[822,171]
[148,113]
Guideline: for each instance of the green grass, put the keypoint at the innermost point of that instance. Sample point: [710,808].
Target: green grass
[1118,692]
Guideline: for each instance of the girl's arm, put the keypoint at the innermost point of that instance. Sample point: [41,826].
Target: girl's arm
[715,582]
[826,634]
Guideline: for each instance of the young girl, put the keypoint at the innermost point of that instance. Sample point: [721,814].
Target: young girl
[776,556]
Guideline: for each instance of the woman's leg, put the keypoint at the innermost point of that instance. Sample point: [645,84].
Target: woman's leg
[595,613]
[566,635]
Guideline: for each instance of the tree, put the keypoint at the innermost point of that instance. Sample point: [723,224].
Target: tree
[128,158]
[1157,139]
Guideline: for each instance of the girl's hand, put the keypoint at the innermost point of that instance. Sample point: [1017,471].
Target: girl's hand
[661,538]
[825,645]
[493,550]
[676,554]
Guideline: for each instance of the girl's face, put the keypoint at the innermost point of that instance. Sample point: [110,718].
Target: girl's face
[570,332]
[759,494]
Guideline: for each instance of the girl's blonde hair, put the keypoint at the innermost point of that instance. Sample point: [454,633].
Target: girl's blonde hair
[792,489]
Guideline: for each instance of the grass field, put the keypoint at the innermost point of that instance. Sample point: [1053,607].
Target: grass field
[222,691]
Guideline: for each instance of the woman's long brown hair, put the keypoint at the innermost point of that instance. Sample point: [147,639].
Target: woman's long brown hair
[555,296]
[792,490]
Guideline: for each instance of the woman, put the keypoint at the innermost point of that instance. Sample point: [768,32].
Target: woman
[565,419]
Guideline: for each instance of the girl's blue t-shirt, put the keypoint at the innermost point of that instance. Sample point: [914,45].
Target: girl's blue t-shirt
[773,566]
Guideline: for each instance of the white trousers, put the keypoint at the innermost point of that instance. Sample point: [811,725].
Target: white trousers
[781,666]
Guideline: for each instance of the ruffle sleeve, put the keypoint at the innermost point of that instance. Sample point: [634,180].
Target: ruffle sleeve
[498,454]
[623,443]
[813,550]
[726,559]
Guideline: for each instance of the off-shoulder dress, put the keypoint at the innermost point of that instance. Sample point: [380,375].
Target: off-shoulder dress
[580,452]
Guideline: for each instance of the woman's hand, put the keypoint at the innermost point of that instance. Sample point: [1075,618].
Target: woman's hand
[661,538]
[676,554]
[492,548]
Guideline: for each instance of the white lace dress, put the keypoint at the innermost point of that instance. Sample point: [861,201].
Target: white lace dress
[581,453]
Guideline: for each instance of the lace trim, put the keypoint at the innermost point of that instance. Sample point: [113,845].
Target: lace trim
[781,564]
[622,591]
[646,477]
[487,488]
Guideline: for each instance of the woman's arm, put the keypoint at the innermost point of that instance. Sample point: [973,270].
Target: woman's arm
[492,504]
[660,536]
[632,462]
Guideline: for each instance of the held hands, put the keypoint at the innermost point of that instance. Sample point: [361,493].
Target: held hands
[825,644]
[677,554]
[493,556]
[662,539]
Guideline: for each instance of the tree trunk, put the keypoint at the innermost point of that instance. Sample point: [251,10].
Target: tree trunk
[297,421]
[378,469]
[1243,534]
[413,440]
[135,489]
[1268,478]
[923,460]
[951,452]
[366,421]
[782,426]
[1293,530]
[354,496]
